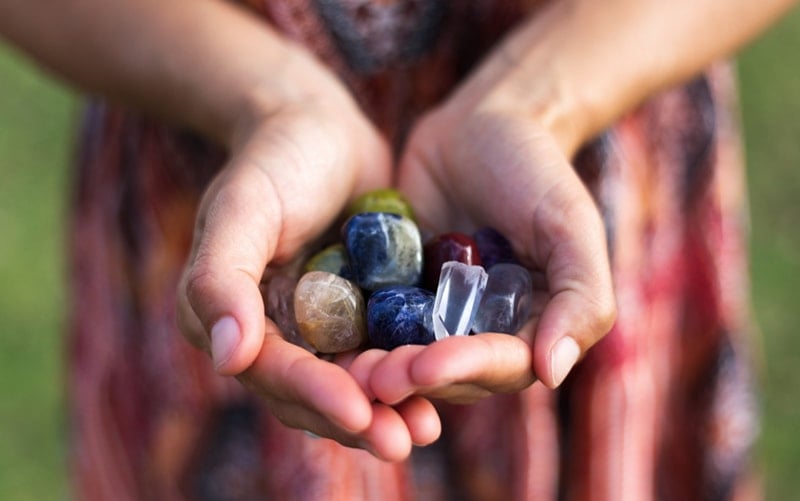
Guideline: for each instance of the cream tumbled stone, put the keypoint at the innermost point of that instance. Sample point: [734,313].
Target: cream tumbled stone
[330,312]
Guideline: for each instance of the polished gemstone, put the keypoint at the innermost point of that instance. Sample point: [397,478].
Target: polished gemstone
[506,303]
[447,247]
[279,305]
[459,292]
[332,259]
[385,200]
[400,315]
[330,312]
[493,247]
[384,249]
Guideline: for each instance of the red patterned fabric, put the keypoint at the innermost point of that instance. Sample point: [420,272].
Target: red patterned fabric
[662,408]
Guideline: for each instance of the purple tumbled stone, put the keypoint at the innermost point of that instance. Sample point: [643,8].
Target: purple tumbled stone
[447,247]
[279,306]
[493,247]
[507,300]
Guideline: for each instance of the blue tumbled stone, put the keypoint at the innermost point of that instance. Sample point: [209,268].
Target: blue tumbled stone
[400,315]
[384,249]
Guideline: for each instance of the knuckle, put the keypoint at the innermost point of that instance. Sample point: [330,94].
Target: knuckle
[200,280]
[605,315]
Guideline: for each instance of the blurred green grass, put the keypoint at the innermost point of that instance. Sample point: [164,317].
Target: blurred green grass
[37,117]
[770,95]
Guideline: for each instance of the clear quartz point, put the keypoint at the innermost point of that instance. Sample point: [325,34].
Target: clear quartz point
[458,295]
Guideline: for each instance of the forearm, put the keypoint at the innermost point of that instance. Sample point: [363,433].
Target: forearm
[202,63]
[580,64]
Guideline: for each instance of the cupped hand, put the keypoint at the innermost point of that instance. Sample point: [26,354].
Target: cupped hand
[480,160]
[291,170]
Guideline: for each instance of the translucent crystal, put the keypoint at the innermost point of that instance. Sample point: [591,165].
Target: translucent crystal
[330,312]
[459,292]
[506,303]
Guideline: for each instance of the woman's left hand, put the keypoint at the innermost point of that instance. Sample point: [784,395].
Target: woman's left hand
[487,158]
[497,152]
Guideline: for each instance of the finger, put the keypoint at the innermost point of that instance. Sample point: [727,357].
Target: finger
[188,323]
[496,362]
[419,414]
[458,369]
[291,374]
[421,419]
[300,417]
[236,234]
[345,359]
[387,437]
[361,369]
[582,307]
[390,377]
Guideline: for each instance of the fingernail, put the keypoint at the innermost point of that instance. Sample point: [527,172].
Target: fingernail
[225,337]
[562,358]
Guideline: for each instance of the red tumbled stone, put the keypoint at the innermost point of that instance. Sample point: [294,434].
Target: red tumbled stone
[448,247]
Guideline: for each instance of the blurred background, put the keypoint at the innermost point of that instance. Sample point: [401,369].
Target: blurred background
[37,117]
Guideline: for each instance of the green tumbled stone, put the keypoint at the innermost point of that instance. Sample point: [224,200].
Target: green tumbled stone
[330,312]
[385,200]
[332,259]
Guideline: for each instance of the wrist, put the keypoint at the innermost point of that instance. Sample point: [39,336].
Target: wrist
[527,76]
[547,102]
[297,82]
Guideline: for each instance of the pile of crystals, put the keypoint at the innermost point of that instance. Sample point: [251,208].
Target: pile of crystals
[479,286]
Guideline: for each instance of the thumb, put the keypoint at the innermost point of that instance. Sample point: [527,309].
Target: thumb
[236,234]
[582,307]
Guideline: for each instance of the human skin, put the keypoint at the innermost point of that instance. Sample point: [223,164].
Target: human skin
[495,153]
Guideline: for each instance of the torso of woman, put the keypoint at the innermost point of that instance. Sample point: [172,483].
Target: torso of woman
[662,408]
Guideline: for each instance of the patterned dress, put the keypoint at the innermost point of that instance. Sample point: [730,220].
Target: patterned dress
[662,408]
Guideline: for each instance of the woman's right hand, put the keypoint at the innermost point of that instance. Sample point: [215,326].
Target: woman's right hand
[292,168]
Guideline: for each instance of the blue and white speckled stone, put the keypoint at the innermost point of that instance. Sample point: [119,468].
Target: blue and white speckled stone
[400,315]
[384,249]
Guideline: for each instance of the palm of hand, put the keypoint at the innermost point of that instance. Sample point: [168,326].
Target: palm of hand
[288,180]
[505,171]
